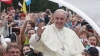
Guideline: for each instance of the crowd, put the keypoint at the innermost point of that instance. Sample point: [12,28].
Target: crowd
[17,30]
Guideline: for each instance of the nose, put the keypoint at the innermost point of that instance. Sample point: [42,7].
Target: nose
[25,51]
[15,54]
[59,20]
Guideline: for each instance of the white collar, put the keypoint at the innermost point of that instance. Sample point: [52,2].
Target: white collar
[57,28]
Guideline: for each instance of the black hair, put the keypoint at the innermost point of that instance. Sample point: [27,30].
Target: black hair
[32,24]
[29,30]
[25,45]
[31,50]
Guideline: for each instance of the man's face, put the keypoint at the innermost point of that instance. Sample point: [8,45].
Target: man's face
[29,26]
[59,19]
[13,52]
[30,33]
[10,18]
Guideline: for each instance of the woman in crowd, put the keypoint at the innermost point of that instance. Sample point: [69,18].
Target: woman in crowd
[26,50]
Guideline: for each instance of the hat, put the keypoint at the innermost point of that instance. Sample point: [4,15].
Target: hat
[93,51]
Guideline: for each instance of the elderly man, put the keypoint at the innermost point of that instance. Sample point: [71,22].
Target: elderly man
[57,40]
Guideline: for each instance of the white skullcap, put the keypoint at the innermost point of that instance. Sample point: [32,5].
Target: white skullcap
[7,40]
[61,11]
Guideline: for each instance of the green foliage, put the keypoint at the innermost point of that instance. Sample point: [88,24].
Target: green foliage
[42,5]
[36,5]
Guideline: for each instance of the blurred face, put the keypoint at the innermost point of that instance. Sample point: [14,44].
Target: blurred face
[13,52]
[77,28]
[59,19]
[83,36]
[26,49]
[92,40]
[29,26]
[30,33]
[10,18]
[35,16]
[43,24]
[22,18]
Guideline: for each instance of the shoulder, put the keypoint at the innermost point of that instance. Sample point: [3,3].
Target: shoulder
[70,31]
[48,26]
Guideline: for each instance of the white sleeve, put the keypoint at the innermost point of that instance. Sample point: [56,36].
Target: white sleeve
[3,41]
[36,44]
[36,38]
[79,54]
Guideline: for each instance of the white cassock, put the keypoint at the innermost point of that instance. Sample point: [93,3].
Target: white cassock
[57,42]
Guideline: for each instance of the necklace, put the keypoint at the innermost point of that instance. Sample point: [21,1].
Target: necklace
[63,48]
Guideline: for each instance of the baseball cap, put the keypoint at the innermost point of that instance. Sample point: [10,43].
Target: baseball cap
[93,51]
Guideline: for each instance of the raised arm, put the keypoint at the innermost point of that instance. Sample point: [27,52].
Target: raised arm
[23,28]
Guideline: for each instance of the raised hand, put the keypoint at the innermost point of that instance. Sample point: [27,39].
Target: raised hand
[28,17]
[40,30]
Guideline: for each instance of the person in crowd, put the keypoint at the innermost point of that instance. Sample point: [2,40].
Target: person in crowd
[47,16]
[3,46]
[2,51]
[37,19]
[1,27]
[92,42]
[83,35]
[92,51]
[24,38]
[57,40]
[77,29]
[21,19]
[5,27]
[30,25]
[26,50]
[13,50]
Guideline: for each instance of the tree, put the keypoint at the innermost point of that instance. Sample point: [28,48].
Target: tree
[36,5]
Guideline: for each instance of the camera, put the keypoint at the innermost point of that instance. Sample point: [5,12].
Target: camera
[15,29]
